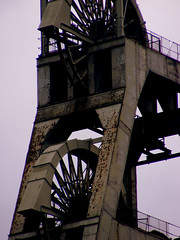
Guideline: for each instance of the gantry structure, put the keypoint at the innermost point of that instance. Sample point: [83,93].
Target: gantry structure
[98,65]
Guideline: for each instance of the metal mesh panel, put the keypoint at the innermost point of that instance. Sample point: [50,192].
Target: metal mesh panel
[152,224]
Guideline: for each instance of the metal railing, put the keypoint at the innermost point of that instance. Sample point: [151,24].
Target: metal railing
[49,44]
[163,45]
[153,41]
[155,226]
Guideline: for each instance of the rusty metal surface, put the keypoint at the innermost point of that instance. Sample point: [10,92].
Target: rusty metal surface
[109,117]
[39,133]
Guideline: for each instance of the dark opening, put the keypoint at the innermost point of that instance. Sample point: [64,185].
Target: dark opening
[58,83]
[102,71]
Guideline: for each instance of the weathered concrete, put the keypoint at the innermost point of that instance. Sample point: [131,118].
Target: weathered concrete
[120,231]
[118,123]
[131,63]
[40,131]
[163,66]
[112,159]
[77,105]
[43,85]
[116,110]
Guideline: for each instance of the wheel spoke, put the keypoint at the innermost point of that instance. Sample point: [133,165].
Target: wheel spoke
[80,175]
[86,180]
[72,172]
[79,168]
[80,24]
[84,9]
[60,193]
[62,184]
[79,14]
[79,35]
[67,177]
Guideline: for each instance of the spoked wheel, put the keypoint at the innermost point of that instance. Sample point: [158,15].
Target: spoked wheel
[71,188]
[90,22]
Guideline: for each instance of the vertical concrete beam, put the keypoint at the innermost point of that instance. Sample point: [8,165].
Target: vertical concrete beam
[44,39]
[43,85]
[118,67]
[109,117]
[120,18]
[39,133]
[117,120]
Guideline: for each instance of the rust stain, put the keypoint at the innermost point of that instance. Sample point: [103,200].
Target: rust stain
[102,173]
[39,133]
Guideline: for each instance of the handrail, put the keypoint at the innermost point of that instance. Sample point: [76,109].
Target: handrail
[149,224]
[153,41]
[163,45]
[152,224]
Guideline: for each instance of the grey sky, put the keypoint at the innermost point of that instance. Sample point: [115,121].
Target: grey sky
[158,183]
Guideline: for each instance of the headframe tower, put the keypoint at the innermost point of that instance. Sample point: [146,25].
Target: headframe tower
[97,66]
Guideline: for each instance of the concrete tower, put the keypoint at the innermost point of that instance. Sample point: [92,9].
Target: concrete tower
[98,65]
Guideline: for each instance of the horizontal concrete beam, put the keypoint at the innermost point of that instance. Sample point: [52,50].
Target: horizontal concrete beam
[77,105]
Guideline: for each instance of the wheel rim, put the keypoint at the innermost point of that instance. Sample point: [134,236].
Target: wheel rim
[71,188]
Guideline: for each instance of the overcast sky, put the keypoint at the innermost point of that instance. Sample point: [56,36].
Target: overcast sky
[158,184]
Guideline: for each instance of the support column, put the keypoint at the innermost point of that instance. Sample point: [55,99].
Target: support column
[44,39]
